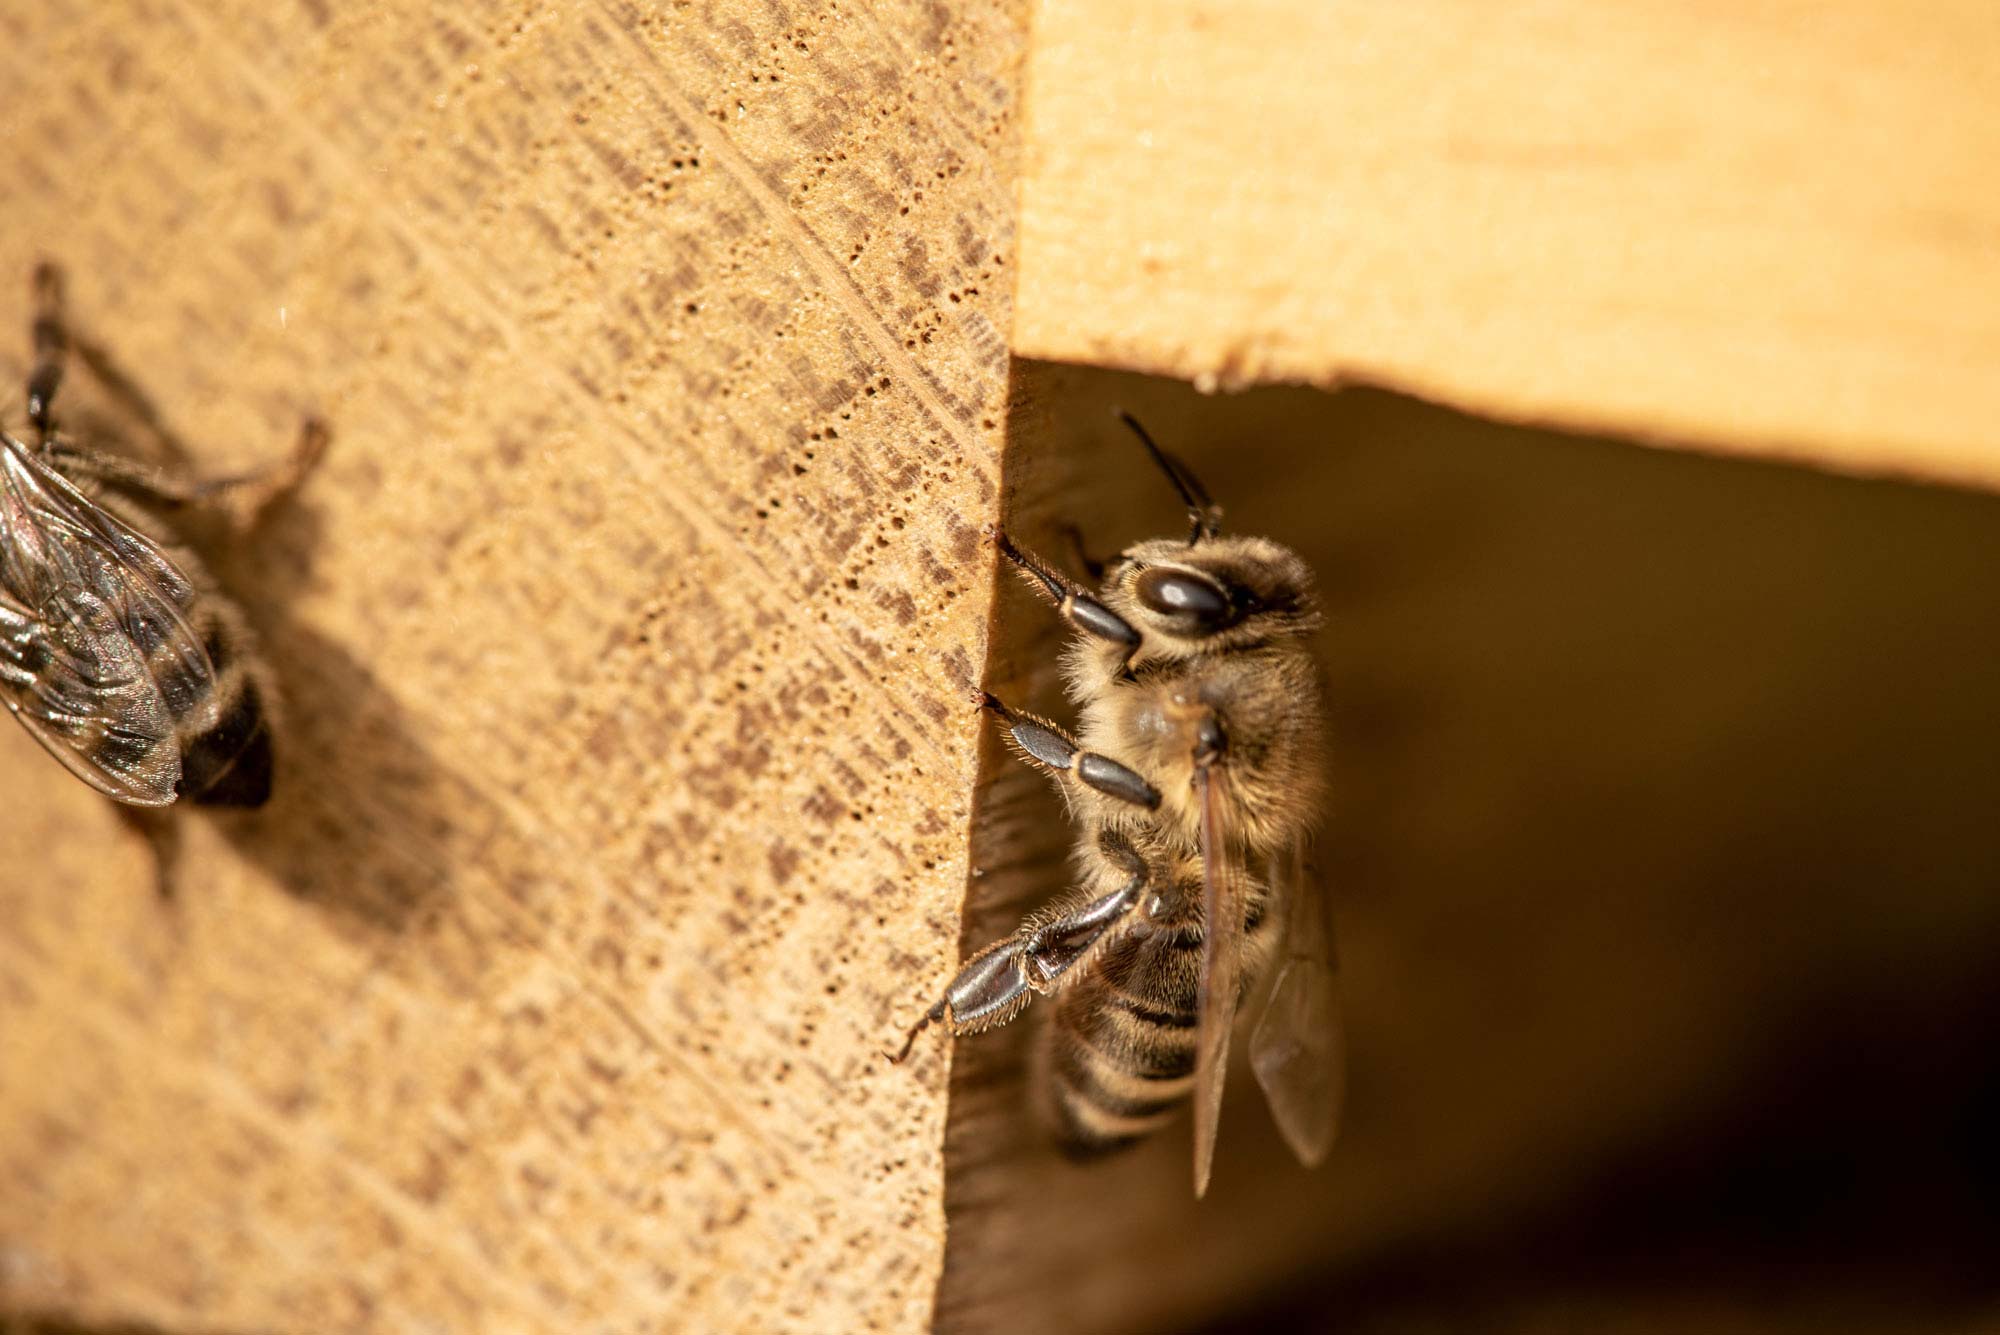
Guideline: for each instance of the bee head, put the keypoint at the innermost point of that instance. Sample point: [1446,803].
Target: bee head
[1223,592]
[1209,591]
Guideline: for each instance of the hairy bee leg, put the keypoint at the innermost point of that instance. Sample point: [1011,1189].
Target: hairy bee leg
[240,499]
[1043,744]
[56,340]
[246,496]
[996,985]
[51,345]
[1079,607]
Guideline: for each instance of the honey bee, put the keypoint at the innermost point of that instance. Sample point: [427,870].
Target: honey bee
[1196,783]
[117,652]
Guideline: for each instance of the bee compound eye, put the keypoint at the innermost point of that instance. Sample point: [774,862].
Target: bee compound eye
[1182,593]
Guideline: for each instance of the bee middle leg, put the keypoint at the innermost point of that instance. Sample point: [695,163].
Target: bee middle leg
[244,497]
[996,984]
[1044,745]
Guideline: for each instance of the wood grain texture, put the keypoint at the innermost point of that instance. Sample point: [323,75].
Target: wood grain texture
[1766,228]
[625,775]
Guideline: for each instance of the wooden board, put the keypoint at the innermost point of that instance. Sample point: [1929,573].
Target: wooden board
[628,790]
[623,792]
[1767,228]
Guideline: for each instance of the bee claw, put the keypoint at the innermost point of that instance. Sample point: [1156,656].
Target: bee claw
[910,1039]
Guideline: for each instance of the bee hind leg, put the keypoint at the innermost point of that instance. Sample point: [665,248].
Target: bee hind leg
[1044,745]
[996,985]
[240,500]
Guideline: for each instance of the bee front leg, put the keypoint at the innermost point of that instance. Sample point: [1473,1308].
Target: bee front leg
[56,341]
[51,346]
[1078,606]
[1044,745]
[240,499]
[996,984]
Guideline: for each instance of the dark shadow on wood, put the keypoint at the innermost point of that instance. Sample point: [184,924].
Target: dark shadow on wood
[361,822]
[29,1323]
[1654,774]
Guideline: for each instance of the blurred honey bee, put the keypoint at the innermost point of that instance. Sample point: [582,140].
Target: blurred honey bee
[1196,784]
[117,652]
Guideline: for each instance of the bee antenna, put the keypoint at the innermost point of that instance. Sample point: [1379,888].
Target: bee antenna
[1204,515]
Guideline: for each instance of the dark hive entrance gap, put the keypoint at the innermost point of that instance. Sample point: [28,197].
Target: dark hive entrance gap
[1646,763]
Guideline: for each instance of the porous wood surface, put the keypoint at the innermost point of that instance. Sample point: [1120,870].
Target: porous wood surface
[628,787]
[1765,228]
[624,779]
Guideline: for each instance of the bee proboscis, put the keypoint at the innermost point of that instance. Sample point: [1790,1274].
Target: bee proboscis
[1195,780]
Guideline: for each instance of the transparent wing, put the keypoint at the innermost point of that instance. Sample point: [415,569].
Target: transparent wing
[97,658]
[1298,1048]
[1225,891]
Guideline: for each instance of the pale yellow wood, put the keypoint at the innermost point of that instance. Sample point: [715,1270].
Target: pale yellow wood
[1771,227]
[628,775]
[625,780]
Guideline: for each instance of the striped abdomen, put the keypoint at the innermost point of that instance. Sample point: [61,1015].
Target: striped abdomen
[1121,1045]
[226,751]
[220,716]
[220,727]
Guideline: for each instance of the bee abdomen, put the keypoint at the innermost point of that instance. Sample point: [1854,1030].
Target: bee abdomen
[1155,1016]
[1119,1066]
[223,723]
[229,764]
[1121,1053]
